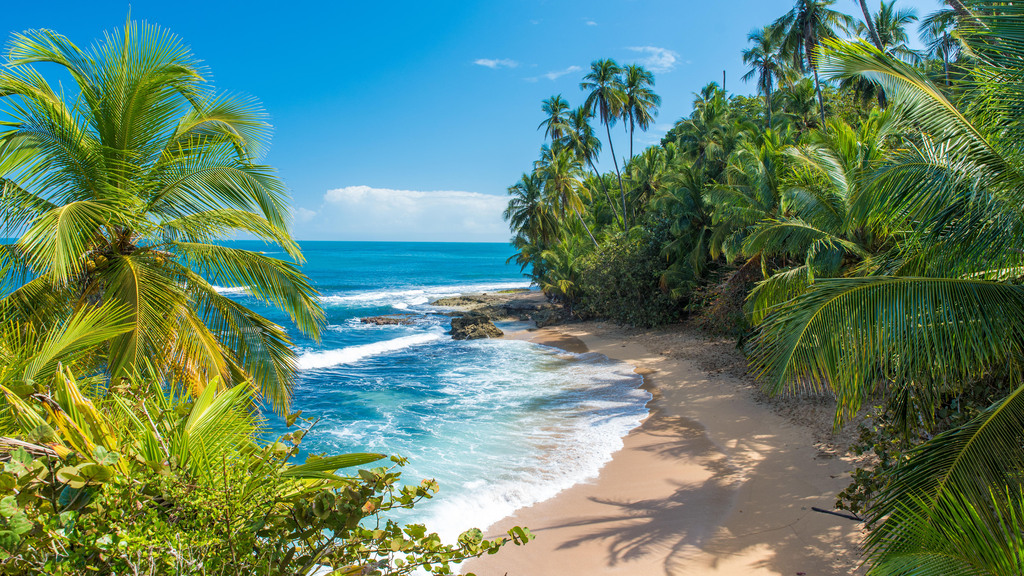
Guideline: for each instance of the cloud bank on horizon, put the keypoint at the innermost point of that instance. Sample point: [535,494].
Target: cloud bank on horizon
[367,213]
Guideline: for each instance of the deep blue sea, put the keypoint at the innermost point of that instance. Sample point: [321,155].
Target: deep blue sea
[500,424]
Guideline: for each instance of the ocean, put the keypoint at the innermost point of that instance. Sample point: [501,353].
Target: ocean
[500,424]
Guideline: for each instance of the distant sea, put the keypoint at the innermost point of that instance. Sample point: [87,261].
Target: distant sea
[501,424]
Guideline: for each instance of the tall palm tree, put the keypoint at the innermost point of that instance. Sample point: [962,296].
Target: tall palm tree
[938,33]
[533,222]
[945,309]
[122,194]
[561,171]
[607,101]
[803,29]
[581,140]
[870,23]
[890,31]
[555,124]
[709,135]
[766,64]
[641,103]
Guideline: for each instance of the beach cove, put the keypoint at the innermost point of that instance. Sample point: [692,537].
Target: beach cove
[715,480]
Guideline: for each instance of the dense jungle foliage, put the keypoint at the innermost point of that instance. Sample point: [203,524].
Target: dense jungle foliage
[857,224]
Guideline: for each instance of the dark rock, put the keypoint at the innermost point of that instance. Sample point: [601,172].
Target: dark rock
[389,320]
[548,317]
[459,301]
[474,327]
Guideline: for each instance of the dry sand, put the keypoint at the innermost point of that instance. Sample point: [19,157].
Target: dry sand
[715,481]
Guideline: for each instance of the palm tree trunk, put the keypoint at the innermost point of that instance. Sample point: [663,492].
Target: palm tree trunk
[631,135]
[585,227]
[768,104]
[607,196]
[622,189]
[821,98]
[945,56]
[871,25]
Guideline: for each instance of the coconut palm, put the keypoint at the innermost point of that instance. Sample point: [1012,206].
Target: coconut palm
[870,23]
[561,172]
[532,220]
[607,101]
[683,205]
[952,313]
[889,34]
[555,124]
[581,140]
[710,134]
[826,227]
[766,65]
[641,103]
[122,193]
[803,29]
[938,34]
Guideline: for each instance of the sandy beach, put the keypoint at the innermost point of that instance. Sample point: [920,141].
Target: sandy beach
[715,481]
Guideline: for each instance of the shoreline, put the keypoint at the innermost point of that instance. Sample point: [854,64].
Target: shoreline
[713,481]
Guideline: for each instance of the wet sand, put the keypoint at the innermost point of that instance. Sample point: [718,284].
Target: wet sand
[715,481]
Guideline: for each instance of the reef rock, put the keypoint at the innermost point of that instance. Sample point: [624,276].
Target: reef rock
[474,327]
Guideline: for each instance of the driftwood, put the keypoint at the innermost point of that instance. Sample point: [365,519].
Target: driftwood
[840,514]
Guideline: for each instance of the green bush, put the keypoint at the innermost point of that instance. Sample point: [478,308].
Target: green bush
[621,282]
[143,484]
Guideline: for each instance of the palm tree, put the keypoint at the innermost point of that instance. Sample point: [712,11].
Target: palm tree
[870,23]
[561,172]
[938,33]
[122,194]
[555,125]
[766,65]
[709,135]
[803,29]
[607,101]
[945,309]
[889,31]
[826,227]
[641,103]
[581,140]
[527,213]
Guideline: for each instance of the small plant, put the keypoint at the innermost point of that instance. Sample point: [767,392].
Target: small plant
[155,485]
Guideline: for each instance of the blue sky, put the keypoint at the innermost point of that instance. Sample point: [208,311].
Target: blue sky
[408,120]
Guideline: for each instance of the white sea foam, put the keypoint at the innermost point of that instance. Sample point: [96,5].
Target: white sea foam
[229,290]
[403,298]
[350,354]
[571,447]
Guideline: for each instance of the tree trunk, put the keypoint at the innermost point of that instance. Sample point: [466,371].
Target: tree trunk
[631,136]
[821,98]
[607,196]
[585,227]
[622,189]
[960,9]
[871,25]
[810,44]
[768,104]
[945,57]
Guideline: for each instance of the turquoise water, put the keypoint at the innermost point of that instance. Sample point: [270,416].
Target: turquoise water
[500,424]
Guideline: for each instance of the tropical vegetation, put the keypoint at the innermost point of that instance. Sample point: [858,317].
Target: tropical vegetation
[132,392]
[856,224]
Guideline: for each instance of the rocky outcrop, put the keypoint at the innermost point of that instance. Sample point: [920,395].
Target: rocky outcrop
[516,305]
[389,320]
[474,327]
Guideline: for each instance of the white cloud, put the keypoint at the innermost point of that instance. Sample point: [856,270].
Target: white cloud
[555,74]
[591,23]
[366,213]
[656,59]
[495,64]
[302,215]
